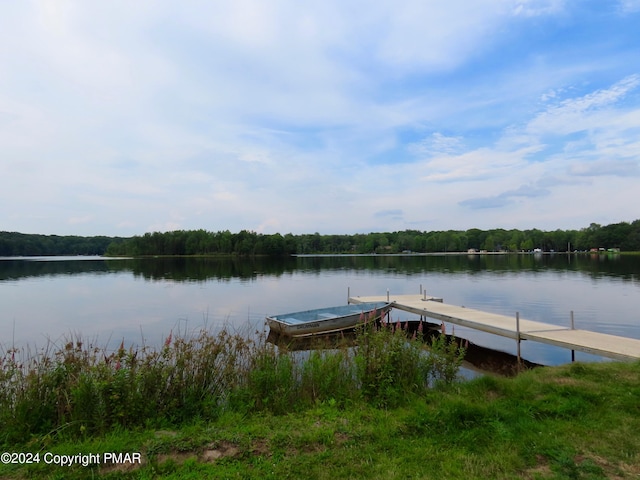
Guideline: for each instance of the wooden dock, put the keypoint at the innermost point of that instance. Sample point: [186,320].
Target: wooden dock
[611,346]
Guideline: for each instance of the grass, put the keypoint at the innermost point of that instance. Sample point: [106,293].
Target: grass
[248,409]
[82,390]
[579,421]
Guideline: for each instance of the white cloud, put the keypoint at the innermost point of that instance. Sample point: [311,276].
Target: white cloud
[603,168]
[582,113]
[480,164]
[82,219]
[630,6]
[326,117]
[534,8]
[438,144]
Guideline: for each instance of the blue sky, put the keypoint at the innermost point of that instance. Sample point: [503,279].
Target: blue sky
[118,118]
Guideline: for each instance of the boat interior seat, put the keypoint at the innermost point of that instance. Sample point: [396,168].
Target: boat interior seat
[291,320]
[327,316]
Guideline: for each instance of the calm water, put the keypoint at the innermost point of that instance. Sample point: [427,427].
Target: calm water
[142,300]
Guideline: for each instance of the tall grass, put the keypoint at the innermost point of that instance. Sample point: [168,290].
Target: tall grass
[391,362]
[81,390]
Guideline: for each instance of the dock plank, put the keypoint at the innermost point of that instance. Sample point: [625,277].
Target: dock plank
[611,346]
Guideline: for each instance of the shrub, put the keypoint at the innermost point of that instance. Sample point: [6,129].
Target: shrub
[392,363]
[80,389]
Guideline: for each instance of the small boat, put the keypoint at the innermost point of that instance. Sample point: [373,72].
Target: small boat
[326,320]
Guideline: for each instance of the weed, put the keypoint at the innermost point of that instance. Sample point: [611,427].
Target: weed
[392,363]
[446,358]
[481,428]
[80,390]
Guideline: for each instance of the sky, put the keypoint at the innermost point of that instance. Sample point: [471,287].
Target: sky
[278,116]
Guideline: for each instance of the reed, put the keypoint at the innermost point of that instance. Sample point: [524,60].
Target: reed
[392,362]
[80,389]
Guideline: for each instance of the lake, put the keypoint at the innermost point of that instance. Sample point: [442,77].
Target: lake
[140,301]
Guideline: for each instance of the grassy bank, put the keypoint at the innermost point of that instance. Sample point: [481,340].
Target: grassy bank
[575,421]
[81,389]
[382,405]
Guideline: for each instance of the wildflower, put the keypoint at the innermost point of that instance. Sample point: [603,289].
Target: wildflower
[373,314]
[167,342]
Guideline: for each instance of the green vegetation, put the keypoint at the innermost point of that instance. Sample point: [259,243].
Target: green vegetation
[624,236]
[82,390]
[228,406]
[14,243]
[578,421]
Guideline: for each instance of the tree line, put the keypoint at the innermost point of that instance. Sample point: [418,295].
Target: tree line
[624,236]
[24,244]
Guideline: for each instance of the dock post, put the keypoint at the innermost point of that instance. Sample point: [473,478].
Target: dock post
[420,289]
[348,294]
[387,295]
[573,352]
[518,336]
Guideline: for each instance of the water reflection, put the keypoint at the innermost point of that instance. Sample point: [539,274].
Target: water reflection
[477,358]
[142,300]
[190,269]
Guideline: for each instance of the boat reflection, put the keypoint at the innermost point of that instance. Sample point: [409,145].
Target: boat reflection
[478,359]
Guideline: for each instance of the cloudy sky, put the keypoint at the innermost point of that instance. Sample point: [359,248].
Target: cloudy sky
[121,117]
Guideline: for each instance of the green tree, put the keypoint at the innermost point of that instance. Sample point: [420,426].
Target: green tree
[526,245]
[489,244]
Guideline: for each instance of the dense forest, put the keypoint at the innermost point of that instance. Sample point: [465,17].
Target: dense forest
[624,236]
[13,243]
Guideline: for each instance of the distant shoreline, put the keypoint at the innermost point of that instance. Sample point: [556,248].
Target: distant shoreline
[437,254]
